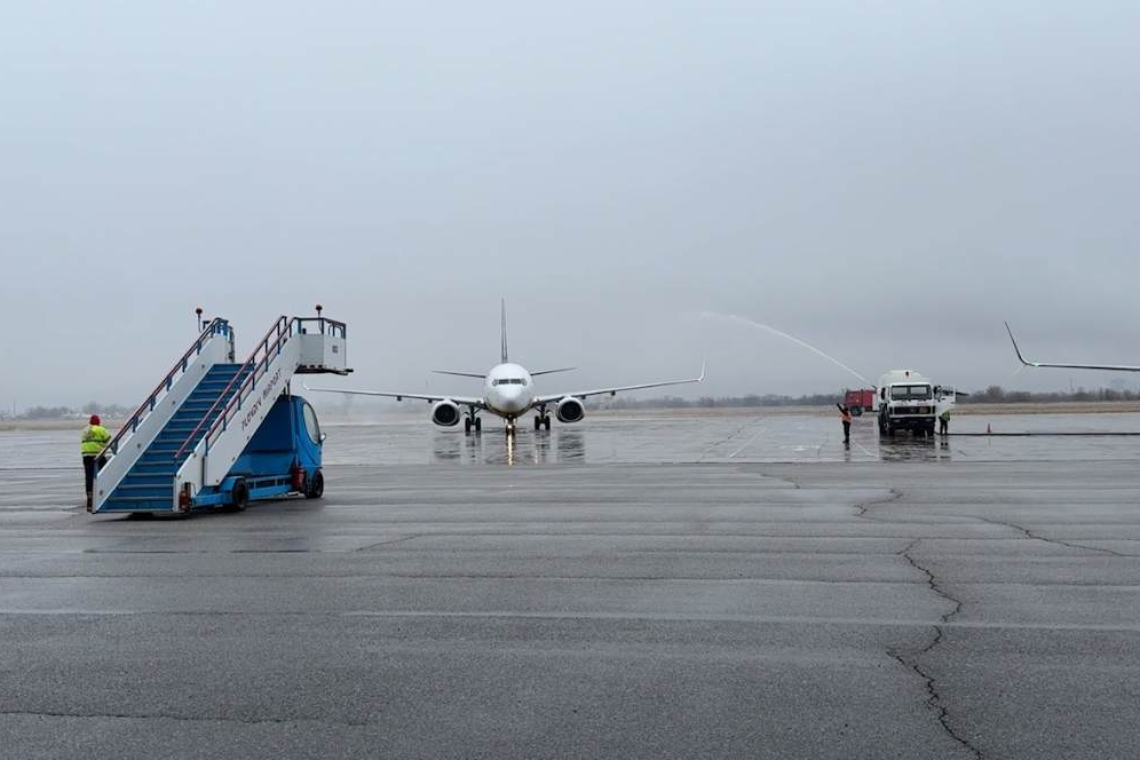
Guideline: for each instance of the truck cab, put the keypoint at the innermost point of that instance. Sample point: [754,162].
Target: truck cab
[906,402]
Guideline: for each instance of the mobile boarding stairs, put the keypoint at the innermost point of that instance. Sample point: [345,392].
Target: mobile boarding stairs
[176,450]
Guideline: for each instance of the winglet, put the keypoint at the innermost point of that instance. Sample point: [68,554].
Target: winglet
[702,376]
[1017,350]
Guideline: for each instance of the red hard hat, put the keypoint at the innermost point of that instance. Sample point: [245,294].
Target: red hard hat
[94,419]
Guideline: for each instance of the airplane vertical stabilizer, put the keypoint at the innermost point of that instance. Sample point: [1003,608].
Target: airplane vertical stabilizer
[504,330]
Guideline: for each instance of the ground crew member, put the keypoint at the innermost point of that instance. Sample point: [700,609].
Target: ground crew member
[94,439]
[845,415]
[944,422]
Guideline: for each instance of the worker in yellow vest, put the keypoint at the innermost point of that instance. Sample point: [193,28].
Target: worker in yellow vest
[94,439]
[845,416]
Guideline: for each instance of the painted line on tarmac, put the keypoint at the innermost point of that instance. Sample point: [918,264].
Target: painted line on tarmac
[655,617]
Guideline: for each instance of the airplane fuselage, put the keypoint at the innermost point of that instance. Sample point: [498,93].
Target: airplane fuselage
[508,390]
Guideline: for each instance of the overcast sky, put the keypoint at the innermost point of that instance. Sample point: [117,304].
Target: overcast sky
[888,181]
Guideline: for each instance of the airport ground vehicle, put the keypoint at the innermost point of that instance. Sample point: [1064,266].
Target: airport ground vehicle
[859,400]
[218,433]
[906,402]
[283,457]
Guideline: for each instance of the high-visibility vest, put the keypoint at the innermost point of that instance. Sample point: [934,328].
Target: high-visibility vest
[945,416]
[93,440]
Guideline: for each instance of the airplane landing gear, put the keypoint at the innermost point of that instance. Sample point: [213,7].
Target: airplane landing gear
[542,419]
[472,423]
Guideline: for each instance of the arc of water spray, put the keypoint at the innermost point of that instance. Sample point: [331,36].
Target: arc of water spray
[745,321]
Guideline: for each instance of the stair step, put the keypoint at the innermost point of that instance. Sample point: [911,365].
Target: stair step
[165,480]
[151,492]
[137,504]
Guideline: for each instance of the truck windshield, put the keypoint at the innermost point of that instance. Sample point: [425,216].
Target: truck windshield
[916,392]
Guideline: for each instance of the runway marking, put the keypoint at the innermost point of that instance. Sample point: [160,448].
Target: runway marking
[748,443]
[659,617]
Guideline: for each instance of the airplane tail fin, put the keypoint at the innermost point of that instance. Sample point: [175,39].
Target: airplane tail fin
[503,307]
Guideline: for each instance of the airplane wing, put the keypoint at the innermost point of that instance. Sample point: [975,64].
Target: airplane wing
[1109,367]
[461,400]
[552,397]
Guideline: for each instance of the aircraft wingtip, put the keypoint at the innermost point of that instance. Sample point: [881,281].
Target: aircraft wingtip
[1016,348]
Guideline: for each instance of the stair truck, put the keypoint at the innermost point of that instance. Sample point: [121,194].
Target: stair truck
[906,402]
[218,434]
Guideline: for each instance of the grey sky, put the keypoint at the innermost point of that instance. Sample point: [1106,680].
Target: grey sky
[888,181]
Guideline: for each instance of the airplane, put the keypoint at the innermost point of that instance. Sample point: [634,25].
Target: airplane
[1108,367]
[509,392]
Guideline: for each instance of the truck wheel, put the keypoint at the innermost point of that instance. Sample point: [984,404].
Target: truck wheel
[239,496]
[316,486]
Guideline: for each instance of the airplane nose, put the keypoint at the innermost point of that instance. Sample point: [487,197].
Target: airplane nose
[512,399]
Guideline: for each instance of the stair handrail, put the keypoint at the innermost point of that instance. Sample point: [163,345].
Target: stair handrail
[217,326]
[280,332]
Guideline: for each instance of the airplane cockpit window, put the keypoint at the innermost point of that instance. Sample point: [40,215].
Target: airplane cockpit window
[509,381]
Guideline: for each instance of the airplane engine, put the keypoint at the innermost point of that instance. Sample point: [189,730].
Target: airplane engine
[570,409]
[446,413]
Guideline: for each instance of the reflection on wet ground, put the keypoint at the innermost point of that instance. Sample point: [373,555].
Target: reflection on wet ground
[660,437]
[744,438]
[558,446]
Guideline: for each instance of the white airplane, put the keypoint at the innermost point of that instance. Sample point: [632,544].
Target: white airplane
[1108,367]
[509,392]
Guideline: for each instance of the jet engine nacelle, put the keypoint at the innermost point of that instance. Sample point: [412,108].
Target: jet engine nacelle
[570,409]
[446,413]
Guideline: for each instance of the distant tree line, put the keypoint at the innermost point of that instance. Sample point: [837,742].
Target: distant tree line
[109,411]
[994,394]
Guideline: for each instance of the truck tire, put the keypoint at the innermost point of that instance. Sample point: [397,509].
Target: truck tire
[239,496]
[316,486]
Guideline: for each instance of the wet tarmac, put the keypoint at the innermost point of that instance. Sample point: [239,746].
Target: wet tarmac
[633,587]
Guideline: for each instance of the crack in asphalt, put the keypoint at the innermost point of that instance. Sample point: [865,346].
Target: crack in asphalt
[934,699]
[862,508]
[1031,534]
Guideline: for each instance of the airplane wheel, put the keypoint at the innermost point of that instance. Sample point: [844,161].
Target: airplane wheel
[537,423]
[546,422]
[467,426]
[478,424]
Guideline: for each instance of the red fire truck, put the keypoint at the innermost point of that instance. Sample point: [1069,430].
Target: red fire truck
[859,400]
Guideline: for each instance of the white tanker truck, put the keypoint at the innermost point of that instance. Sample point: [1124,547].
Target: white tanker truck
[909,401]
